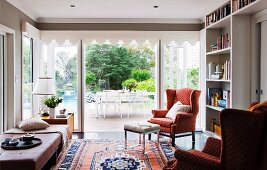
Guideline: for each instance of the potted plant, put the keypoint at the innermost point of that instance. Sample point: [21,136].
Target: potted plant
[52,102]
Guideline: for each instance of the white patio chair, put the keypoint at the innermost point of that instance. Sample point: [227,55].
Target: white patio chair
[111,98]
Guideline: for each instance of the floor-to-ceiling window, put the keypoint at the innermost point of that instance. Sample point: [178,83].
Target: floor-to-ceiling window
[27,76]
[1,83]
[66,79]
[181,65]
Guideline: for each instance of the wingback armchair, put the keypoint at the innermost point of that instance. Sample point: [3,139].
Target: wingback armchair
[184,122]
[241,146]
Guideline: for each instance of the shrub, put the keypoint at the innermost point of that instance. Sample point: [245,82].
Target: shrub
[129,83]
[140,75]
[148,85]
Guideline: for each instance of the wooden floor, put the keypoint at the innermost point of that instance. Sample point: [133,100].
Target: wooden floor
[184,143]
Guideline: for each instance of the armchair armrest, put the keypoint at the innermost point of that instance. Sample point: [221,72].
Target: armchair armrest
[197,159]
[213,147]
[159,113]
[183,115]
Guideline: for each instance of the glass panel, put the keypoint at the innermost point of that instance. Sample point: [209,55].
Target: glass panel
[1,83]
[27,77]
[181,66]
[66,79]
[127,73]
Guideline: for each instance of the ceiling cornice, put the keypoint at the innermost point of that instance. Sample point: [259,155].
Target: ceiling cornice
[119,20]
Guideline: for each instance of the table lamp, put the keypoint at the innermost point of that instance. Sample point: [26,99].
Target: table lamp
[44,86]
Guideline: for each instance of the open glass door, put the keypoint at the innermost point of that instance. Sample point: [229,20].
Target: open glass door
[27,77]
[1,83]
[66,80]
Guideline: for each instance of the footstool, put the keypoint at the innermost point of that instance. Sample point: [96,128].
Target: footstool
[142,129]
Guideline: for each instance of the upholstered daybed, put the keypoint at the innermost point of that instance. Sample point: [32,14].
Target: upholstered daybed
[54,138]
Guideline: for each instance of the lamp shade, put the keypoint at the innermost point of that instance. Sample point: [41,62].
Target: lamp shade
[44,86]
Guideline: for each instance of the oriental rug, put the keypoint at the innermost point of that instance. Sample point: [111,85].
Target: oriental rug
[110,154]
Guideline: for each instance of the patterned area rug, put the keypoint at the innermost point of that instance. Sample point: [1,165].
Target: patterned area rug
[110,154]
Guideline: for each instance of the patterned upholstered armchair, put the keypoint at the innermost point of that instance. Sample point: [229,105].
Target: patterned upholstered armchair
[184,122]
[243,134]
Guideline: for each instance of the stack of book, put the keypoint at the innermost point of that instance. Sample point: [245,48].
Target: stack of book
[238,4]
[227,70]
[218,14]
[223,41]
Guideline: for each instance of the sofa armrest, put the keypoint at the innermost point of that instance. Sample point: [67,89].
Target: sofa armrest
[196,159]
[159,113]
[213,147]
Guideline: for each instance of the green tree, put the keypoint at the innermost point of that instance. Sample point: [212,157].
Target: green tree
[66,72]
[193,78]
[114,63]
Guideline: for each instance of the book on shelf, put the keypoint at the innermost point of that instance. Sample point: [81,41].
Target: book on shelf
[238,4]
[227,70]
[218,14]
[223,41]
[214,94]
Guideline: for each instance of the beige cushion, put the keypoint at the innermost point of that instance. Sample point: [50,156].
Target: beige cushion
[32,124]
[177,107]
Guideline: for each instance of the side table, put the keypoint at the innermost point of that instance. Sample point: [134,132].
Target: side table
[69,120]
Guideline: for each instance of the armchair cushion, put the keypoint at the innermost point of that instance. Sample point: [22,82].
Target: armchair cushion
[165,122]
[177,107]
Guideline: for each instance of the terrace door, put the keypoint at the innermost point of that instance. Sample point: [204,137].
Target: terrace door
[66,76]
[120,84]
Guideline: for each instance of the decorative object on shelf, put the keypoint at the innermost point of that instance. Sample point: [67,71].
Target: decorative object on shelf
[44,86]
[211,69]
[214,94]
[52,102]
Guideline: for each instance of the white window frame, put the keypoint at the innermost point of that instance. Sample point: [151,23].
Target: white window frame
[33,111]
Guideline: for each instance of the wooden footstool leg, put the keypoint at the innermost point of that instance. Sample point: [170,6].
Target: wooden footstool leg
[125,133]
[158,138]
[144,143]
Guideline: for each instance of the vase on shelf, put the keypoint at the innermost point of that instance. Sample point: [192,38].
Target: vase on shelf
[51,113]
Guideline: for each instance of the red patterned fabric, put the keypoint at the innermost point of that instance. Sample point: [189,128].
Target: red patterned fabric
[184,122]
[159,113]
[241,147]
[165,122]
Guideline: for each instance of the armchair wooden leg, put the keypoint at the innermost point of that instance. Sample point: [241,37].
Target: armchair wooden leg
[149,136]
[193,136]
[173,141]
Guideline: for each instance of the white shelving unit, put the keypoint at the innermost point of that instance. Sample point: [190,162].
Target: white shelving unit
[237,25]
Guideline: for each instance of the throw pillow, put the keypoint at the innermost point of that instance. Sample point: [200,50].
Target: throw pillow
[32,124]
[177,107]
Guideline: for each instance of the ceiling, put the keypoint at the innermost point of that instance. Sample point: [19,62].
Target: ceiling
[117,10]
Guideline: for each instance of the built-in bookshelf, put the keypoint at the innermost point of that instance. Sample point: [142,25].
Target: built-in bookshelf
[227,58]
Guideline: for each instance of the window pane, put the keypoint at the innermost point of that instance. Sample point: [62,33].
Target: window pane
[27,78]
[66,79]
[181,66]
